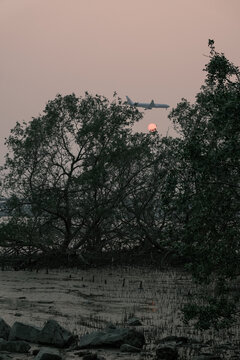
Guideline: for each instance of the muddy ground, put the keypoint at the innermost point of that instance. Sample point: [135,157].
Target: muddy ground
[85,300]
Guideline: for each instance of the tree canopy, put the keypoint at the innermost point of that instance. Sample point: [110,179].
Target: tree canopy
[71,171]
[209,177]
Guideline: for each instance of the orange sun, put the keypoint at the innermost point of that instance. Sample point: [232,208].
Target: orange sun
[152,127]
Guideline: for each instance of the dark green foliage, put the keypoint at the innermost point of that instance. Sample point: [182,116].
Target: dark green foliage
[218,313]
[147,210]
[208,199]
[74,173]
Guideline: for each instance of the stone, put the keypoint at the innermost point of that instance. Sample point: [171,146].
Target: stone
[4,329]
[18,314]
[82,353]
[20,331]
[93,356]
[55,335]
[178,340]
[134,322]
[35,351]
[5,357]
[14,346]
[173,338]
[129,348]
[112,338]
[166,352]
[46,353]
[90,356]
[111,326]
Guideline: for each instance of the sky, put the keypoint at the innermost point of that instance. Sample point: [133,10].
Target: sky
[146,49]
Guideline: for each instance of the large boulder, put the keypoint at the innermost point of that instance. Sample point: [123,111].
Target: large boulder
[14,346]
[112,338]
[48,354]
[20,331]
[55,335]
[4,329]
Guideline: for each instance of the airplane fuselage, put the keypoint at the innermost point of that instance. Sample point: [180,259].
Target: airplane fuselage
[147,106]
[150,107]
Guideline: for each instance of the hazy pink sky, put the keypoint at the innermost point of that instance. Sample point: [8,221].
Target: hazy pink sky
[147,49]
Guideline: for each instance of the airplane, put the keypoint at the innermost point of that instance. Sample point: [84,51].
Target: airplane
[146,106]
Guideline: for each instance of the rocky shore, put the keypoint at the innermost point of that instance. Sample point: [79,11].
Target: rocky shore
[54,342]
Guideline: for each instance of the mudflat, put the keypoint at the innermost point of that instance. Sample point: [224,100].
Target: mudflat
[84,301]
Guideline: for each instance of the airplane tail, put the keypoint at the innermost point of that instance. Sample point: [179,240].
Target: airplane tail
[130,102]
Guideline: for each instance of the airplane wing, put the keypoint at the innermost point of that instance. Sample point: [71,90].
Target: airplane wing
[147,106]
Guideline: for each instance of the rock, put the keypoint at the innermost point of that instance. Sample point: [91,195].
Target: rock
[55,335]
[5,357]
[134,338]
[111,326]
[35,351]
[90,356]
[129,348]
[93,356]
[134,322]
[14,346]
[4,329]
[112,338]
[48,354]
[179,340]
[20,331]
[166,352]
[82,353]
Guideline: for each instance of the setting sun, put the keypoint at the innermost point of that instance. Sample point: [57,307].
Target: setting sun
[152,127]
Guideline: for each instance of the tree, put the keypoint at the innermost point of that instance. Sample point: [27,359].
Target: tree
[209,184]
[148,209]
[71,168]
